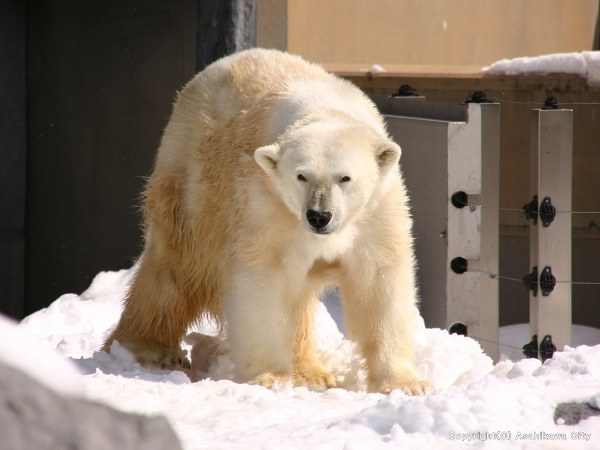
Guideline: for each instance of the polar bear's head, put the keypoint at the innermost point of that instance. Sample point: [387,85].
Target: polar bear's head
[327,171]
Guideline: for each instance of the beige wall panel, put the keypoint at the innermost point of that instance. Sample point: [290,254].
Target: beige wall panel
[440,32]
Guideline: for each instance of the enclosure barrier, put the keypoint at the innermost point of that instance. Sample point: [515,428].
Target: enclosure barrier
[550,229]
[450,161]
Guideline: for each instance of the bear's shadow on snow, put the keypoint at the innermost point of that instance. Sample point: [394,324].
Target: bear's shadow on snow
[123,364]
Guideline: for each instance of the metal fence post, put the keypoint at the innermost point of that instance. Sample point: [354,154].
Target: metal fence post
[550,231]
[473,231]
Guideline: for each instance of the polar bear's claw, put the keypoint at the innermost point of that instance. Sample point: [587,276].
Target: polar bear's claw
[167,359]
[314,378]
[270,380]
[416,388]
[412,387]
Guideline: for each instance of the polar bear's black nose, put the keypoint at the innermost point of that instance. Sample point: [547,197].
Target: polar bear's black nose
[318,219]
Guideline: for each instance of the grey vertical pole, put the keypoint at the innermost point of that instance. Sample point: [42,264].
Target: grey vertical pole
[473,168]
[550,237]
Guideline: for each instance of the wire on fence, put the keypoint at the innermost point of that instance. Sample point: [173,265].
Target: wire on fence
[500,344]
[473,207]
[497,343]
[495,275]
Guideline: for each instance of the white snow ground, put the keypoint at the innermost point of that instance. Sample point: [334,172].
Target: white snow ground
[475,403]
[585,64]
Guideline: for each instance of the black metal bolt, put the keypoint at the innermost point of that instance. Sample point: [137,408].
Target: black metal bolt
[460,199]
[547,281]
[530,281]
[459,265]
[478,97]
[547,348]
[406,90]
[547,212]
[458,328]
[530,350]
[531,209]
[551,103]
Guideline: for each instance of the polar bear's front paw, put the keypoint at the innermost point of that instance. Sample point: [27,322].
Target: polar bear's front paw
[165,359]
[155,356]
[410,386]
[270,380]
[314,377]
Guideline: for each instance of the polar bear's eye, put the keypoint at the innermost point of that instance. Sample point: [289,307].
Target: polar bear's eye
[301,177]
[345,179]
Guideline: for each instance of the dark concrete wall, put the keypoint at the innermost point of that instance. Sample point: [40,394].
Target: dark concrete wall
[12,156]
[87,88]
[102,76]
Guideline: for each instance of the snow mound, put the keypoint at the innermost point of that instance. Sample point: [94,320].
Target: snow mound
[585,64]
[475,402]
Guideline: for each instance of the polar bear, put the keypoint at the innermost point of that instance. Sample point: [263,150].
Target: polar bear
[275,180]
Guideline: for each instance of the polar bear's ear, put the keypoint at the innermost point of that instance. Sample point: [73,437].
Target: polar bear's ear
[388,155]
[267,157]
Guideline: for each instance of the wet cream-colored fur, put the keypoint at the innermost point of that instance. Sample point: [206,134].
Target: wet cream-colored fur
[273,181]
